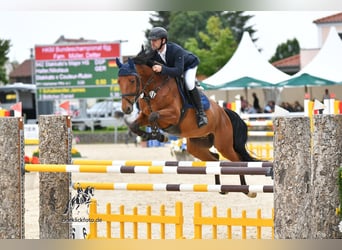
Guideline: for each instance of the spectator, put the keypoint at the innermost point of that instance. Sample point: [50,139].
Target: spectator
[326,95]
[297,107]
[269,108]
[244,104]
[250,109]
[256,104]
[287,106]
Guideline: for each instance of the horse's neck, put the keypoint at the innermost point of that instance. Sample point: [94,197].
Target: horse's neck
[153,81]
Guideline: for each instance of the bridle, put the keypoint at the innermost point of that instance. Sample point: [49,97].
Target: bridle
[141,93]
[137,94]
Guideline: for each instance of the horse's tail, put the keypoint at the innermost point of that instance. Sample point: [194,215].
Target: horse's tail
[240,132]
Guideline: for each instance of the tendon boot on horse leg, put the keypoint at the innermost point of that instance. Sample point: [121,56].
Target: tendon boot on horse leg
[202,119]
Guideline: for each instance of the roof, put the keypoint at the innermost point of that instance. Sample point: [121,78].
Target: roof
[288,62]
[18,86]
[24,69]
[336,18]
[63,39]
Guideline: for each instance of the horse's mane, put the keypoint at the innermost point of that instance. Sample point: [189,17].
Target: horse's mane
[144,57]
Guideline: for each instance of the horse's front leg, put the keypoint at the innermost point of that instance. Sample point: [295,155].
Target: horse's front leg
[165,116]
[153,117]
[135,127]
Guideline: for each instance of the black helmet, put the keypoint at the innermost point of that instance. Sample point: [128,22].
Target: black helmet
[157,33]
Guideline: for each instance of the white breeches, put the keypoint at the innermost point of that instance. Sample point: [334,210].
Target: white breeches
[190,77]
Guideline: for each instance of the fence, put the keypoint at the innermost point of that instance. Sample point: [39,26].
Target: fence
[162,219]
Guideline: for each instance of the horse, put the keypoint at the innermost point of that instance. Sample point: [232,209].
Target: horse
[164,108]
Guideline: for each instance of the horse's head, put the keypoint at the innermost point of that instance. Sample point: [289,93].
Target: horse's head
[129,83]
[131,75]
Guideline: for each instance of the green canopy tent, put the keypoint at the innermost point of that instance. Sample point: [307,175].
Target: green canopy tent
[241,83]
[305,80]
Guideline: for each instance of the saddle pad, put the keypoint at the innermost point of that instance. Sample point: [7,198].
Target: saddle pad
[205,101]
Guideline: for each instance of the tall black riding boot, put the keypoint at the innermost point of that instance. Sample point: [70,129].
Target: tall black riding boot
[200,114]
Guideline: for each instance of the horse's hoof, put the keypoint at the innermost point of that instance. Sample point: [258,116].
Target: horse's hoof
[162,138]
[251,195]
[223,193]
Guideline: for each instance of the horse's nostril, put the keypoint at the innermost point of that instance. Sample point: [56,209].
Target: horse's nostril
[128,110]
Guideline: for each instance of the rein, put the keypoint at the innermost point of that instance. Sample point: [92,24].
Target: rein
[137,93]
[142,93]
[150,96]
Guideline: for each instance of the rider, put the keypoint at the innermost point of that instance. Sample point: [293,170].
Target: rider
[176,61]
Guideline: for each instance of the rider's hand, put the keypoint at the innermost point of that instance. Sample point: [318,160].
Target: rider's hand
[157,68]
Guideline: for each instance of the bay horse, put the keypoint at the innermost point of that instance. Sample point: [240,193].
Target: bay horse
[162,107]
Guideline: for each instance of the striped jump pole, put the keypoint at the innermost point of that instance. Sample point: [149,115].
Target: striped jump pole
[264,123]
[175,187]
[214,170]
[173,163]
[260,133]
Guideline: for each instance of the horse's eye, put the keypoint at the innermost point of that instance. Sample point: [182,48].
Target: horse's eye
[132,80]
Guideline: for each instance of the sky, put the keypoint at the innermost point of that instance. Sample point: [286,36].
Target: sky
[26,29]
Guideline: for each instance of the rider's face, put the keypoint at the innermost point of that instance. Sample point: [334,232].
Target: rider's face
[156,44]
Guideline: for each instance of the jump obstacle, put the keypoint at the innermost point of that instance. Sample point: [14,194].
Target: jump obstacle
[176,187]
[155,169]
[299,166]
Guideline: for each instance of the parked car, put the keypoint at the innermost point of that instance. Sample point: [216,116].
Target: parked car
[104,109]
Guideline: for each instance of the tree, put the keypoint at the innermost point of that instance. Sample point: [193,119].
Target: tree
[219,46]
[237,22]
[182,25]
[188,24]
[287,49]
[159,18]
[190,30]
[4,50]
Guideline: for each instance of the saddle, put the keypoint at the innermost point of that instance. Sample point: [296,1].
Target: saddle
[184,92]
[186,104]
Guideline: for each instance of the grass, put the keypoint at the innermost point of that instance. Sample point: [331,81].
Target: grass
[101,130]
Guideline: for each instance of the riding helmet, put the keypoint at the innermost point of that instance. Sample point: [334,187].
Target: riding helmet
[157,33]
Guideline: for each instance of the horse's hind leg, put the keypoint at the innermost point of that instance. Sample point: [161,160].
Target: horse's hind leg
[200,148]
[227,150]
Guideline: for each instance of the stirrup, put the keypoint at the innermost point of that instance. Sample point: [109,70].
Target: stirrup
[202,120]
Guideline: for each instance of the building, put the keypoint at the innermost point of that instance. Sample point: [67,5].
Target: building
[22,73]
[293,64]
[289,65]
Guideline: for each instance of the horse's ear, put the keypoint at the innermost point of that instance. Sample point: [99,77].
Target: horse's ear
[118,62]
[131,63]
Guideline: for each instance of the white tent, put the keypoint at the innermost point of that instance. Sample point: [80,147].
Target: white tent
[246,62]
[327,63]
